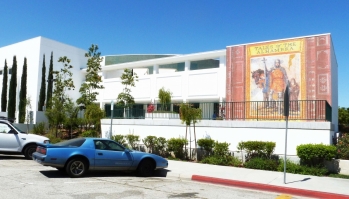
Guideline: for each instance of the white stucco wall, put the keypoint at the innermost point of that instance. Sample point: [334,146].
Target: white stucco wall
[232,132]
[33,50]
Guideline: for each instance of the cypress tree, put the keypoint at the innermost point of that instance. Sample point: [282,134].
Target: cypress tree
[12,90]
[23,94]
[43,87]
[4,88]
[50,83]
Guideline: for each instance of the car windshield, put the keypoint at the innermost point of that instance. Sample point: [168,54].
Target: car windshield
[77,142]
[18,129]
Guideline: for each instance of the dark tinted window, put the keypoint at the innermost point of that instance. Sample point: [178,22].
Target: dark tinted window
[73,142]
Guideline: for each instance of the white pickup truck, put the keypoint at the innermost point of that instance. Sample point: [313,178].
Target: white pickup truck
[13,141]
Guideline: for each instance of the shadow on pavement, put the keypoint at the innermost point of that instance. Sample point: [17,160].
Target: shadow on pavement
[305,179]
[62,174]
[12,157]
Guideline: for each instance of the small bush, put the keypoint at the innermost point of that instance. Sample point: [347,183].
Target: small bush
[150,142]
[222,160]
[221,149]
[121,139]
[160,146]
[176,146]
[315,154]
[343,147]
[207,144]
[89,133]
[262,164]
[39,129]
[292,167]
[132,140]
[257,149]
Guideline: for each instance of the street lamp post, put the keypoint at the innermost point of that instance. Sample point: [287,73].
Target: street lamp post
[111,119]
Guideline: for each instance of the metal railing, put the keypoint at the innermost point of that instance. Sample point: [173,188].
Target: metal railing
[312,110]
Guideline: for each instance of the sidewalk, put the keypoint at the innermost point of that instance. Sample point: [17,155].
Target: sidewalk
[302,185]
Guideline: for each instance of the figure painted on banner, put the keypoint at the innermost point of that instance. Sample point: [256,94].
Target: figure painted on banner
[278,81]
[214,116]
[294,93]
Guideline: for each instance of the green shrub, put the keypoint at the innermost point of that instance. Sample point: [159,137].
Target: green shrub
[39,129]
[315,154]
[221,149]
[150,142]
[89,133]
[160,146]
[119,139]
[257,149]
[132,140]
[207,144]
[292,167]
[343,147]
[53,139]
[176,146]
[222,160]
[262,164]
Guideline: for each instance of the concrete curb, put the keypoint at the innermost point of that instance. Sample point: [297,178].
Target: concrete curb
[266,187]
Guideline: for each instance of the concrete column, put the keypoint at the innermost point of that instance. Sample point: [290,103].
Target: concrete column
[222,61]
[187,66]
[156,69]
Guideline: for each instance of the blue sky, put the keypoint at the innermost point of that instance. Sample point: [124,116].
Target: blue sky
[177,26]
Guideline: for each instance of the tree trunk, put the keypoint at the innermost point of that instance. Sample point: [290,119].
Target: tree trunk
[195,142]
[185,146]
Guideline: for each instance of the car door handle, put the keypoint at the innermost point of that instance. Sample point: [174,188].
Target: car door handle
[100,153]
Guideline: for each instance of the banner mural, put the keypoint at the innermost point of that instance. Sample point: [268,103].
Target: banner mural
[269,68]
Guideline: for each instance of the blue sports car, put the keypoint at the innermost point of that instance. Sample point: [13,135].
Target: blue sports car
[77,156]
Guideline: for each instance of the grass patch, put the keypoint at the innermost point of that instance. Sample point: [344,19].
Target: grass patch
[332,175]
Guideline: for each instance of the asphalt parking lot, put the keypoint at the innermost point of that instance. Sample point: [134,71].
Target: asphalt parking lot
[22,178]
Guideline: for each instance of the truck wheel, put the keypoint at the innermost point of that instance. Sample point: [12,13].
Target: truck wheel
[28,153]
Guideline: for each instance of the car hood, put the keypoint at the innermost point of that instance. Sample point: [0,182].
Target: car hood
[37,138]
[145,153]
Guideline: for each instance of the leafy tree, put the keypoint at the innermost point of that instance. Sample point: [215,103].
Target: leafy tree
[128,79]
[4,88]
[165,98]
[43,86]
[93,115]
[23,94]
[63,82]
[50,83]
[13,90]
[28,106]
[71,110]
[190,115]
[93,79]
[343,116]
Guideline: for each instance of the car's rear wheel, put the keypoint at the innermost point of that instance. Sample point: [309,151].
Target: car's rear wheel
[146,168]
[76,168]
[28,153]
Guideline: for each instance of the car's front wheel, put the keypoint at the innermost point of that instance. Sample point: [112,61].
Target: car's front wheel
[146,168]
[28,153]
[76,168]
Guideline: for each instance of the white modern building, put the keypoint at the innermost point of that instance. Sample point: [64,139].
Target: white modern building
[233,83]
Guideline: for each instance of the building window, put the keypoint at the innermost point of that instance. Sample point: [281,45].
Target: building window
[0,72]
[10,71]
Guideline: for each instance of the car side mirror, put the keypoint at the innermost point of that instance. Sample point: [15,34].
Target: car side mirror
[127,150]
[13,131]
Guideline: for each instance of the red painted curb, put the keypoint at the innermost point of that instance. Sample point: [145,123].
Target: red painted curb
[271,188]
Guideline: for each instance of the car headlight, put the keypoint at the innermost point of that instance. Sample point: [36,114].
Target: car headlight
[46,141]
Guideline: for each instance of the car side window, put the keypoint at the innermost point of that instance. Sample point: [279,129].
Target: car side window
[114,147]
[100,145]
[4,128]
